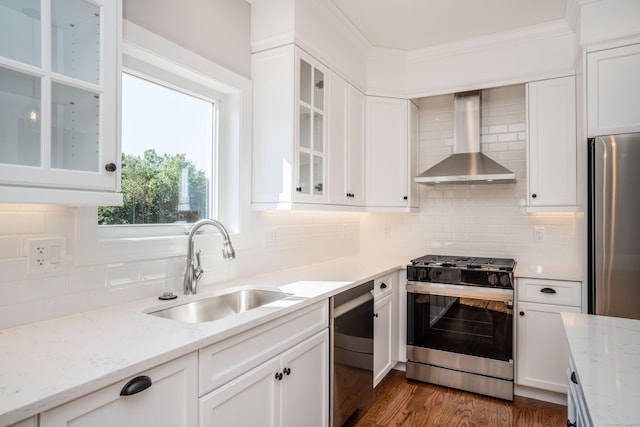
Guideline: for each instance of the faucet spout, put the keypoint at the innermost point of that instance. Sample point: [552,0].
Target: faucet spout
[193,272]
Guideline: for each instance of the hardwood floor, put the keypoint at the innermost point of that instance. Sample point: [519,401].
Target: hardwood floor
[407,403]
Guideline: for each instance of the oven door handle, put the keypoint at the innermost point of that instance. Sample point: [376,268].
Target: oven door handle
[461,291]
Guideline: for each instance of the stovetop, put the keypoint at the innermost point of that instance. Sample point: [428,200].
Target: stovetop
[464,262]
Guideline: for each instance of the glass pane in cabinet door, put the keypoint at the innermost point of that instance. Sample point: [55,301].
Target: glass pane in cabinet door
[75,39]
[318,89]
[305,82]
[20,30]
[305,127]
[318,132]
[318,175]
[75,128]
[20,126]
[304,172]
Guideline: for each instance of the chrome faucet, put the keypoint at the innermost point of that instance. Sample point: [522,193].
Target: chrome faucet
[193,273]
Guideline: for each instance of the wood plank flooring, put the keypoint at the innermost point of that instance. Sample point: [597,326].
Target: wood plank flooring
[401,402]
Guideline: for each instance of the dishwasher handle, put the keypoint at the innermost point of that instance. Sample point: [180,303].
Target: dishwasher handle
[352,303]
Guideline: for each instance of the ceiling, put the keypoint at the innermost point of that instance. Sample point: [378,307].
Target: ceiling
[416,24]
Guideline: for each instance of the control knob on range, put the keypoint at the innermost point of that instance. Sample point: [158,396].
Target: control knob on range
[504,280]
[492,278]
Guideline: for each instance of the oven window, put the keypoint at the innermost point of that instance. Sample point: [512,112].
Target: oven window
[460,325]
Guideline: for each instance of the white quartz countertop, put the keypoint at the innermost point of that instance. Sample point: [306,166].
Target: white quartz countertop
[548,271]
[45,364]
[606,354]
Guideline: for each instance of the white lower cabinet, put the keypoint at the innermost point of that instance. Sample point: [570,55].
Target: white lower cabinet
[385,327]
[382,331]
[170,401]
[288,390]
[542,349]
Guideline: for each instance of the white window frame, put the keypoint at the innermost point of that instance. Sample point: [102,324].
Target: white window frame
[147,54]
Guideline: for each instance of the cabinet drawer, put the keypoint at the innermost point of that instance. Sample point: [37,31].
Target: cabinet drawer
[170,401]
[383,286]
[221,362]
[550,291]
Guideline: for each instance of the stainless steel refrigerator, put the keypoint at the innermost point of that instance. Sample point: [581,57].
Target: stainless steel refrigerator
[614,225]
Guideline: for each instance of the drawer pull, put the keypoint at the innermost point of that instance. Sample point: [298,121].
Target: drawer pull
[383,285]
[570,424]
[136,385]
[574,379]
[548,291]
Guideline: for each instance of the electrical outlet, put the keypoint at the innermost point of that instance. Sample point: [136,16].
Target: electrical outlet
[538,234]
[44,255]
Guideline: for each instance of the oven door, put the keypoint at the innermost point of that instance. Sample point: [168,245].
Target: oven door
[461,327]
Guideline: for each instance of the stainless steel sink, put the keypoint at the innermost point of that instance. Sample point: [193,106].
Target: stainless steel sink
[221,306]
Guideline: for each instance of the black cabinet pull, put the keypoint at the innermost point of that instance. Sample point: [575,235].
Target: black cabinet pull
[375,314]
[406,198]
[287,371]
[279,376]
[383,286]
[548,291]
[534,195]
[136,385]
[522,313]
[570,424]
[574,378]
[110,167]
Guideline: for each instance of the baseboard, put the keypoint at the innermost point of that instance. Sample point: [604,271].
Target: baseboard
[401,366]
[539,394]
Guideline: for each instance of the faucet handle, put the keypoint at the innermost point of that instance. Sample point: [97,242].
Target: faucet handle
[197,271]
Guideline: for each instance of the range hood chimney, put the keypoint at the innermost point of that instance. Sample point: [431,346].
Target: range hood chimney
[467,164]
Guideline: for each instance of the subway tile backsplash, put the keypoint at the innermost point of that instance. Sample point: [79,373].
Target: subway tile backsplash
[299,238]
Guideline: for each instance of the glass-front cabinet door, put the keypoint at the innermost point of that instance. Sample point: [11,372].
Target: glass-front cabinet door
[311,130]
[59,74]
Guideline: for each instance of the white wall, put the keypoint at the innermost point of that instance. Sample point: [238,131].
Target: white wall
[479,219]
[219,30]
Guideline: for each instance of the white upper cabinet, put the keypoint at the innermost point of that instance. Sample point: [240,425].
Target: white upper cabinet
[613,91]
[390,142]
[58,101]
[551,150]
[346,114]
[289,129]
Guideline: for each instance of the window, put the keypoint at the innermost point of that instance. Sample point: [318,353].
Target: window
[168,144]
[152,60]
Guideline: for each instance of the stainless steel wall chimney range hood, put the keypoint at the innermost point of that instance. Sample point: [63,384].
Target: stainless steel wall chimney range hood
[467,164]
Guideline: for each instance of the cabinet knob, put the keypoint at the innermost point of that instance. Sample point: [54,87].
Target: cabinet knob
[279,376]
[287,371]
[574,378]
[534,195]
[110,167]
[299,189]
[406,198]
[136,385]
[570,424]
[375,314]
[522,313]
[383,286]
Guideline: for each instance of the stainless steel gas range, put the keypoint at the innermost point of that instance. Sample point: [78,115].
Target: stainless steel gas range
[460,323]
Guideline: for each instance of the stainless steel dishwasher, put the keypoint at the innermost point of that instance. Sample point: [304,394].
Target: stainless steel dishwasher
[351,351]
